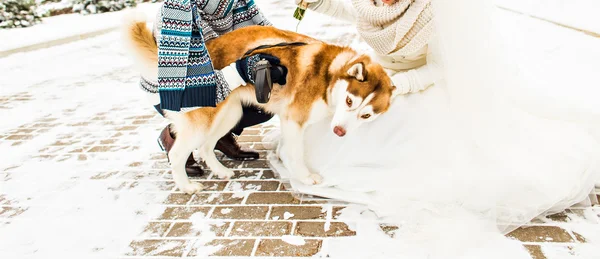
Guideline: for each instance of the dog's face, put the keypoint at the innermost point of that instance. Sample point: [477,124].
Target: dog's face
[361,93]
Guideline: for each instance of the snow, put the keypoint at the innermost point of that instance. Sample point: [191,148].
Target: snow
[327,225]
[238,190]
[200,223]
[253,187]
[70,216]
[293,240]
[225,211]
[580,14]
[584,251]
[212,197]
[69,25]
[287,215]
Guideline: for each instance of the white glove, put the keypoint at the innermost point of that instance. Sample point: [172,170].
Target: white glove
[233,78]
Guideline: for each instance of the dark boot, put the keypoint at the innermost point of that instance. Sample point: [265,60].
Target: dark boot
[166,141]
[229,146]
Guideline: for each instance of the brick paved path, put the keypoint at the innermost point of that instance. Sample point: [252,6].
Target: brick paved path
[81,174]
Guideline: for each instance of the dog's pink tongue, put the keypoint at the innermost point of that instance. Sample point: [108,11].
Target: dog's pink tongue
[339,131]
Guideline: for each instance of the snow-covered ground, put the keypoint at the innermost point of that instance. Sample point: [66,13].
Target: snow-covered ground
[81,174]
[579,14]
[66,26]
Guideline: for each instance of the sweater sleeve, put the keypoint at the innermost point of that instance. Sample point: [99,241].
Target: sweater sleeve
[414,80]
[338,9]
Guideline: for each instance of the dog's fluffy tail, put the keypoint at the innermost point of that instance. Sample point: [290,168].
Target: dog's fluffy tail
[140,41]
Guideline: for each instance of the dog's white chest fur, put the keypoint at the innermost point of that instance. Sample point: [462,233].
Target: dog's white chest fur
[318,111]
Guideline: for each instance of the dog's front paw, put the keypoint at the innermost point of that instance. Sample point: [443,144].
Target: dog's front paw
[224,173]
[312,179]
[191,188]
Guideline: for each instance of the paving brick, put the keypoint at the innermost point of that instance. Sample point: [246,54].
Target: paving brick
[261,229]
[579,237]
[138,175]
[276,247]
[256,164]
[229,247]
[44,125]
[103,149]
[253,186]
[138,122]
[272,198]
[558,217]
[535,252]
[336,211]
[155,229]
[65,142]
[317,229]
[172,213]
[177,199]
[156,248]
[268,174]
[212,186]
[11,212]
[22,131]
[147,186]
[250,138]
[240,212]
[19,137]
[389,230]
[127,128]
[104,175]
[313,202]
[243,175]
[234,164]
[187,229]
[109,141]
[216,199]
[251,131]
[257,146]
[541,234]
[299,212]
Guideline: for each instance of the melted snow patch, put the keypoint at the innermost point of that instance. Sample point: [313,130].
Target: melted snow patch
[238,190]
[203,249]
[293,240]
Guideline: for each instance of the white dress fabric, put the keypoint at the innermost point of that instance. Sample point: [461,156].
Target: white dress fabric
[477,141]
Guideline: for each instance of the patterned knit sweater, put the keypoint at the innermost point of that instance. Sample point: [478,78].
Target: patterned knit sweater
[212,18]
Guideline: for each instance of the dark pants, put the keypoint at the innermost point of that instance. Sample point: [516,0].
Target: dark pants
[251,116]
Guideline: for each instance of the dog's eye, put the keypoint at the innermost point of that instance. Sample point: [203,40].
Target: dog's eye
[366,116]
[349,101]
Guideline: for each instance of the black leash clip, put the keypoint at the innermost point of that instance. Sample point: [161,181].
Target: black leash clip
[262,81]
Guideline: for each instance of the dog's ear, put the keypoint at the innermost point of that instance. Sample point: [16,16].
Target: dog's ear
[358,71]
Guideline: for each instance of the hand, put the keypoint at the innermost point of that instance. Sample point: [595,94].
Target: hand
[246,67]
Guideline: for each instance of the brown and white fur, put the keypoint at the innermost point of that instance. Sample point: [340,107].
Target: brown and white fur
[322,79]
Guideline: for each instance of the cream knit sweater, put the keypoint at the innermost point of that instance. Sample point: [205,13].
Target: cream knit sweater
[398,34]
